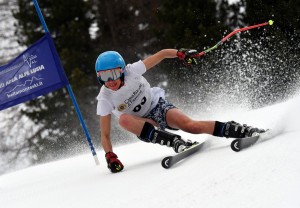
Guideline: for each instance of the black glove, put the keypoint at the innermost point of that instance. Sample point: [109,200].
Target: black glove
[189,56]
[113,163]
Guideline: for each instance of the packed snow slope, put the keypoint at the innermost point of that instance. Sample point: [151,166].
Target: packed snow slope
[264,175]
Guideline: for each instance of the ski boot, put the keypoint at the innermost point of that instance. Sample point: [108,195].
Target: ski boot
[171,140]
[235,130]
[157,136]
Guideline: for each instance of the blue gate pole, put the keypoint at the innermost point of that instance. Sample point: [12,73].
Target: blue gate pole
[88,138]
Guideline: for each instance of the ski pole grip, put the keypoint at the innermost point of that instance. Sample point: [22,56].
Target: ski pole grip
[201,54]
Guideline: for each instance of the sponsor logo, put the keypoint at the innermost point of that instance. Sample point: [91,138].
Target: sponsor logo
[24,90]
[31,59]
[122,107]
[135,95]
[27,83]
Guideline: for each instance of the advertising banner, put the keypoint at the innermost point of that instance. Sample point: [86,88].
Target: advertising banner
[36,71]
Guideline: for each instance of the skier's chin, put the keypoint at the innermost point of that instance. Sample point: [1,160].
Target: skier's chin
[113,85]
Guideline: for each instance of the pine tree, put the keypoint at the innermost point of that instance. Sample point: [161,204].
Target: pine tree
[126,26]
[9,46]
[57,128]
[191,24]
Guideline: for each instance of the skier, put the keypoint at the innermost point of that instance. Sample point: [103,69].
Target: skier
[143,110]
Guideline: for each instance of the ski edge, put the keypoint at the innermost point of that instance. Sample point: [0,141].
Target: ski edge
[238,145]
[169,161]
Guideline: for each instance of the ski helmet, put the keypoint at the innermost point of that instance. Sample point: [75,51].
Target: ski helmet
[110,60]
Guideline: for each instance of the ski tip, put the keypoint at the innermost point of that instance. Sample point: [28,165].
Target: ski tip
[235,145]
[166,162]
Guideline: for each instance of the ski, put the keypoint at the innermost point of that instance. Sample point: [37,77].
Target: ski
[243,143]
[169,161]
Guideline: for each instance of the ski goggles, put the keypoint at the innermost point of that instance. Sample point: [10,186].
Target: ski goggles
[111,74]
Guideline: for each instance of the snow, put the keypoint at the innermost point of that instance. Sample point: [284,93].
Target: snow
[233,1]
[264,175]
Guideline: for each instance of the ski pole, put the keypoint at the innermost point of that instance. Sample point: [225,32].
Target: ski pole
[69,88]
[270,22]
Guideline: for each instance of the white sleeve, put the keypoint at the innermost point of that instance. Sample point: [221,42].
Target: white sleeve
[104,108]
[137,67]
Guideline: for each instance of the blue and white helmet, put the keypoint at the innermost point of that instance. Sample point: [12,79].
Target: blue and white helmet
[110,60]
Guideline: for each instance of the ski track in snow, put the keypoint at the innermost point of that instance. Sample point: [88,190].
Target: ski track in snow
[264,175]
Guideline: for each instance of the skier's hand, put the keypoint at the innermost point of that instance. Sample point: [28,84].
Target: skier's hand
[189,56]
[113,163]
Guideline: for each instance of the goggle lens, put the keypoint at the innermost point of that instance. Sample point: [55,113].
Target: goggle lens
[112,74]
